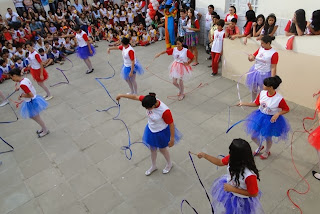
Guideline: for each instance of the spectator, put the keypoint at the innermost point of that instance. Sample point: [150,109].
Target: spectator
[257,26]
[314,25]
[78,6]
[45,5]
[28,4]
[297,25]
[36,26]
[142,12]
[52,6]
[19,6]
[13,18]
[232,31]
[208,25]
[232,14]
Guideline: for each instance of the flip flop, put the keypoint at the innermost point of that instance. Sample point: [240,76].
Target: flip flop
[43,134]
[181,97]
[195,64]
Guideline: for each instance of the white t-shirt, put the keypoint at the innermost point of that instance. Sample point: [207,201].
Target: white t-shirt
[18,3]
[14,17]
[218,41]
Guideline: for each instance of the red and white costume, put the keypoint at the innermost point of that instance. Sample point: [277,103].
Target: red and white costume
[127,55]
[229,17]
[159,117]
[35,64]
[264,59]
[178,69]
[82,39]
[248,181]
[25,88]
[271,104]
[216,49]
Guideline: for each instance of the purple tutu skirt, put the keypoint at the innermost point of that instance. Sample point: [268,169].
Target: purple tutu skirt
[255,79]
[227,203]
[125,71]
[159,139]
[191,39]
[33,108]
[83,52]
[259,126]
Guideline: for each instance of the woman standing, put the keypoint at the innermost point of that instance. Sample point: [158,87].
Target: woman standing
[191,34]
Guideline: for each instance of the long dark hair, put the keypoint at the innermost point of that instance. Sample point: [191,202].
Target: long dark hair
[149,100]
[193,18]
[260,26]
[315,24]
[241,158]
[251,17]
[269,28]
[301,21]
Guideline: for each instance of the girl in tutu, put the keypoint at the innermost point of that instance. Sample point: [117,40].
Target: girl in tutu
[236,192]
[131,65]
[314,140]
[180,68]
[85,49]
[32,104]
[160,132]
[192,28]
[265,66]
[267,121]
[37,69]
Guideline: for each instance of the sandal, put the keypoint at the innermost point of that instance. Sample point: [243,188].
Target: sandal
[195,64]
[39,131]
[42,134]
[181,97]
[265,155]
[258,150]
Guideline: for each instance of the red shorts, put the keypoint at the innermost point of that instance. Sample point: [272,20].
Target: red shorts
[36,74]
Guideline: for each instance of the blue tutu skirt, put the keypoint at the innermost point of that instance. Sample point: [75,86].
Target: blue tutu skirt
[83,52]
[33,108]
[159,139]
[125,71]
[255,79]
[228,203]
[258,125]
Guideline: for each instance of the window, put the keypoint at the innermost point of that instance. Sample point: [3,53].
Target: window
[242,6]
[254,4]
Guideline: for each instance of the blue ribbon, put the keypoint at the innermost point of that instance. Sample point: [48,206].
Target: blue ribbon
[117,105]
[195,169]
[62,71]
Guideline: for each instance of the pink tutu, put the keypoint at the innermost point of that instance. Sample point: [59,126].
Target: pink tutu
[180,71]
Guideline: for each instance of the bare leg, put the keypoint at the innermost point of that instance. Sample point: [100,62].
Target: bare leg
[88,63]
[42,85]
[181,86]
[134,84]
[317,174]
[259,144]
[130,85]
[41,123]
[195,52]
[165,153]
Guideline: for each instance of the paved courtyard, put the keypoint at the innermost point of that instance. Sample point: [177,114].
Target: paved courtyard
[79,167]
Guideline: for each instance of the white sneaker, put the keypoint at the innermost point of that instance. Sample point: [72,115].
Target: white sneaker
[4,103]
[48,98]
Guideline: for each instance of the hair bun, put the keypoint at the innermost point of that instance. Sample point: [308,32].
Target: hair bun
[278,79]
[152,94]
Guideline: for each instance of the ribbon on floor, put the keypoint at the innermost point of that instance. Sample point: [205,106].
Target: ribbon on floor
[62,71]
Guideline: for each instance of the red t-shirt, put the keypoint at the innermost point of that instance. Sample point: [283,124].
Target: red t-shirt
[251,181]
[166,116]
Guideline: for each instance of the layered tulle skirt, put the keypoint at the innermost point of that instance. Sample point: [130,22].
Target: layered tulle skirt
[83,52]
[227,203]
[255,79]
[33,107]
[159,139]
[125,71]
[180,71]
[314,138]
[259,126]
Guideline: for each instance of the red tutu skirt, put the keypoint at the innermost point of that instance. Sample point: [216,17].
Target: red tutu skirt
[314,138]
[180,71]
[36,75]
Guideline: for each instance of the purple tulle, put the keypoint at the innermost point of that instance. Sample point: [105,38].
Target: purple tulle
[83,52]
[255,79]
[227,203]
[258,125]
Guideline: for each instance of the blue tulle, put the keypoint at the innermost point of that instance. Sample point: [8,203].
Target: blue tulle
[258,125]
[33,108]
[228,203]
[159,139]
[255,79]
[83,52]
[138,69]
